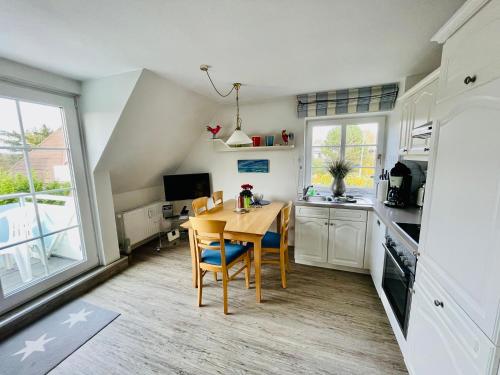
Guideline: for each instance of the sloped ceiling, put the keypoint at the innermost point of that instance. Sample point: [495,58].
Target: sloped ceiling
[155,132]
[274,47]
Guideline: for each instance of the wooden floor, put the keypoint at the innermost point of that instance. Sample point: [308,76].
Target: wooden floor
[326,322]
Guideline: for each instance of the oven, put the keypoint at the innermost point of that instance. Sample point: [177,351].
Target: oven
[397,280]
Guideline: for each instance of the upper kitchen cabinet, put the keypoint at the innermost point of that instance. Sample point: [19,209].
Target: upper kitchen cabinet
[471,56]
[417,118]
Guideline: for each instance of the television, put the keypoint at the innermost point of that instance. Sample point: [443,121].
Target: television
[186,186]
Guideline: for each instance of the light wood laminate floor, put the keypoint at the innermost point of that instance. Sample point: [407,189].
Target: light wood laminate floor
[326,322]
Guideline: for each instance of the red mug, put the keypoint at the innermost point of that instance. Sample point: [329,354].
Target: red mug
[256,141]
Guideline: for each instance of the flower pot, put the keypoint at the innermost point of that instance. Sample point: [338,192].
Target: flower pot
[338,187]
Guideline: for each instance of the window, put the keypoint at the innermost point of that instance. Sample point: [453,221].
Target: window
[354,139]
[46,232]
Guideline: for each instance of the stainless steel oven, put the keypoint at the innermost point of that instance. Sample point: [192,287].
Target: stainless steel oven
[398,278]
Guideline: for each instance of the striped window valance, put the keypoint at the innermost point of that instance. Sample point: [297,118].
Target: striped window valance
[359,100]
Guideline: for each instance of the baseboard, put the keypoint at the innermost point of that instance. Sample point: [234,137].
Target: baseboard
[25,314]
[331,266]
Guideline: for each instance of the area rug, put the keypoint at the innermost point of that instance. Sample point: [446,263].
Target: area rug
[40,347]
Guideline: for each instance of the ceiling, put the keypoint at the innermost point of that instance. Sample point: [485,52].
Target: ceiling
[274,47]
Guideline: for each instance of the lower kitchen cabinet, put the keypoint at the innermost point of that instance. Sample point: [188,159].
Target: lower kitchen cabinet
[442,339]
[311,239]
[375,252]
[323,239]
[346,243]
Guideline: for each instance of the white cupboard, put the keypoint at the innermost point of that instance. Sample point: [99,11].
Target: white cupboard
[441,338]
[375,253]
[417,110]
[471,57]
[346,243]
[330,237]
[461,225]
[311,239]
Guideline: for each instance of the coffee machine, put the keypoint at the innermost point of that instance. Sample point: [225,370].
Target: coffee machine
[399,191]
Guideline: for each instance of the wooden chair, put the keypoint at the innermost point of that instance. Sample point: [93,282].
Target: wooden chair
[277,243]
[217,256]
[217,198]
[200,205]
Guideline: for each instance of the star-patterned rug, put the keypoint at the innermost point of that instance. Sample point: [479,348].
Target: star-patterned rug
[40,347]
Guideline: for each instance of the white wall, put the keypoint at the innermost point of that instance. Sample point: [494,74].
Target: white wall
[392,132]
[267,118]
[136,198]
[157,129]
[101,106]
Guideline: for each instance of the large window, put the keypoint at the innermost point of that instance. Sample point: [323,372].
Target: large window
[356,140]
[46,234]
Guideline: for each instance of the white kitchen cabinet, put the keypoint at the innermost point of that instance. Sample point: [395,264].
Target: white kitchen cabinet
[441,337]
[330,237]
[311,239]
[346,243]
[461,225]
[374,251]
[471,57]
[423,105]
[417,109]
[406,122]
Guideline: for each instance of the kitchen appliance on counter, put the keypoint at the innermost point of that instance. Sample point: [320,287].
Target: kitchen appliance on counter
[399,272]
[399,191]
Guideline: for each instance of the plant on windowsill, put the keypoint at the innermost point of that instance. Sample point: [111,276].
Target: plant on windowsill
[339,169]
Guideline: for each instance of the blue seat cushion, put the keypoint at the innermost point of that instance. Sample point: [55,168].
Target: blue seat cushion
[232,251]
[271,240]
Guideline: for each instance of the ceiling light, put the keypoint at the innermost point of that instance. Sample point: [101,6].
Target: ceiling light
[238,138]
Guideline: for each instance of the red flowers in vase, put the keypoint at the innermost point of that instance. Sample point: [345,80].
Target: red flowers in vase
[247,190]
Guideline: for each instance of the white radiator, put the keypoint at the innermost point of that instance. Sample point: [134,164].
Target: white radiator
[139,225]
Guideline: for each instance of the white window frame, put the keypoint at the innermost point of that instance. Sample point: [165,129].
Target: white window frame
[343,121]
[80,187]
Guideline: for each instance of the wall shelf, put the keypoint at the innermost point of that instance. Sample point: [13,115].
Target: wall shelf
[221,146]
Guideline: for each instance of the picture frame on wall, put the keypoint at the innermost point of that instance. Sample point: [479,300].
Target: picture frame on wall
[253,166]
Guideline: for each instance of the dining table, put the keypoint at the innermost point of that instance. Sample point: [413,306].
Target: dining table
[250,226]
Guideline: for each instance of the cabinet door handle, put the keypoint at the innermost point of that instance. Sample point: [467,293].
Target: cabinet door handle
[378,222]
[405,150]
[470,79]
[427,149]
[438,303]
[331,224]
[326,223]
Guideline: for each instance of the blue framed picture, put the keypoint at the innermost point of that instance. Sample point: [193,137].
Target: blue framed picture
[253,166]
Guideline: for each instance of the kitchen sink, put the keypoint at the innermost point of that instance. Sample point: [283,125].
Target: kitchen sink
[316,198]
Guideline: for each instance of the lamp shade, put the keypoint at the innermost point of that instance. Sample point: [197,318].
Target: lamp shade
[238,138]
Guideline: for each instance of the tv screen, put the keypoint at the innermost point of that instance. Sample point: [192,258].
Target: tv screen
[186,186]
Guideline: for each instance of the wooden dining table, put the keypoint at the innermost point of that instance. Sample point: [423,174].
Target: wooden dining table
[244,227]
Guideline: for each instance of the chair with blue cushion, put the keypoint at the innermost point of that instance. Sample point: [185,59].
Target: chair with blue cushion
[217,256]
[277,243]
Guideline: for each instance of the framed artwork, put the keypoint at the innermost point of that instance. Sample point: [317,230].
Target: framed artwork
[253,166]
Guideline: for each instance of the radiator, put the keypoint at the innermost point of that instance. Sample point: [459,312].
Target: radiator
[139,225]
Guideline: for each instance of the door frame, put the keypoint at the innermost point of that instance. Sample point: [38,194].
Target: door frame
[82,188]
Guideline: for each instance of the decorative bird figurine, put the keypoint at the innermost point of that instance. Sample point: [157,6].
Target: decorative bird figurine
[284,136]
[214,131]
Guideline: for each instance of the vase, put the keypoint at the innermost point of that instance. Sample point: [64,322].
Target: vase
[338,187]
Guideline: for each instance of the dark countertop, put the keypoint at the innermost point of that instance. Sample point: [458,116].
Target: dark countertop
[387,214]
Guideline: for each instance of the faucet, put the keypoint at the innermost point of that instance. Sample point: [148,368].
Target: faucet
[305,191]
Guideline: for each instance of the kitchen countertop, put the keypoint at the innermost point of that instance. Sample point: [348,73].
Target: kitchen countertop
[388,215]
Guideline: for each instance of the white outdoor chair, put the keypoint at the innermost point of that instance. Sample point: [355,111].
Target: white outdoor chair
[20,221]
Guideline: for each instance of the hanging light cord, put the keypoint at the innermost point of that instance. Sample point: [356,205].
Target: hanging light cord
[215,88]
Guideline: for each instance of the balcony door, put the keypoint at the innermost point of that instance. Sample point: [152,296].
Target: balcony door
[46,231]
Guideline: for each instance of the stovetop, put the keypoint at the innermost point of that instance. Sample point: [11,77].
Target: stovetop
[412,230]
